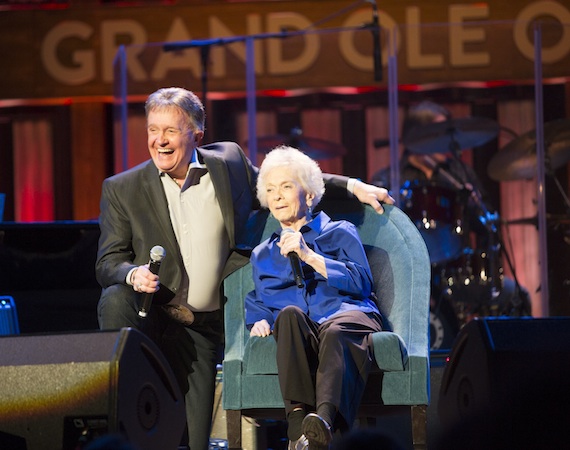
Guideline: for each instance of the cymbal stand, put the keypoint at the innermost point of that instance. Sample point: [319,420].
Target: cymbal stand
[540,169]
[550,173]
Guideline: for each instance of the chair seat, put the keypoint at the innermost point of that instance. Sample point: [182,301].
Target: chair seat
[390,353]
[259,356]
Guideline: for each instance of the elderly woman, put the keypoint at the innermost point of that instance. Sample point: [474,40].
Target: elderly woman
[322,325]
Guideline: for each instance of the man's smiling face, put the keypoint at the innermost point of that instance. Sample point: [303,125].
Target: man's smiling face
[171,140]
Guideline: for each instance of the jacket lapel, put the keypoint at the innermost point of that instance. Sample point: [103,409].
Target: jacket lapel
[221,180]
[158,205]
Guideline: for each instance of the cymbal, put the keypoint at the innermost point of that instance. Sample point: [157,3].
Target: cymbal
[451,135]
[517,160]
[316,148]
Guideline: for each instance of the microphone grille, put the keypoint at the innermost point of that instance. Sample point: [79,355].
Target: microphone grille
[157,253]
[285,231]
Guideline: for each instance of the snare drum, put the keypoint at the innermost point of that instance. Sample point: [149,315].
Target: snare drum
[438,214]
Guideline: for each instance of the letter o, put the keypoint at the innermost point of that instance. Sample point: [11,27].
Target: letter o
[526,17]
[346,40]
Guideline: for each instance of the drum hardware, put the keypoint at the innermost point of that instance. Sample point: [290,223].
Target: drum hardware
[469,281]
[520,160]
[473,267]
[489,219]
[551,219]
[442,320]
[381,142]
[438,214]
[454,134]
[428,223]
[437,331]
[469,286]
[467,188]
[495,275]
[517,160]
[316,148]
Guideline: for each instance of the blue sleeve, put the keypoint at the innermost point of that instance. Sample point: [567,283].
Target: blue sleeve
[255,308]
[347,266]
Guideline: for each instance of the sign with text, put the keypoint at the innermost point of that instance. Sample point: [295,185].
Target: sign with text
[70,52]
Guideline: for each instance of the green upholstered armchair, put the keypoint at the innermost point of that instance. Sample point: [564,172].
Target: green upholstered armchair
[401,268]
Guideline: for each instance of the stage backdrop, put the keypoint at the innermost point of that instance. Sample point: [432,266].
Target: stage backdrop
[69,51]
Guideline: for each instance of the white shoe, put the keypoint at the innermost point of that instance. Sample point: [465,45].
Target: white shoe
[318,432]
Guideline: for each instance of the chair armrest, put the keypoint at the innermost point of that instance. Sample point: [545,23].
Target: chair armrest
[390,351]
[236,286]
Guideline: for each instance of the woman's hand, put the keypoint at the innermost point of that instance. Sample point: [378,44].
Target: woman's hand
[260,328]
[372,195]
[294,242]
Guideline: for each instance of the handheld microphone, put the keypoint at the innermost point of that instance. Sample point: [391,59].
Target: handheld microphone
[295,262]
[377,53]
[157,254]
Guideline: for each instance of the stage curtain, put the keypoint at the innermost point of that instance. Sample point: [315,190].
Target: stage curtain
[518,200]
[33,171]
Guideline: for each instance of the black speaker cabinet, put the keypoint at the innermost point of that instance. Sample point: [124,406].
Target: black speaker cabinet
[495,361]
[57,391]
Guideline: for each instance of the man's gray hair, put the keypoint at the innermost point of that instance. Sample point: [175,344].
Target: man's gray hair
[175,97]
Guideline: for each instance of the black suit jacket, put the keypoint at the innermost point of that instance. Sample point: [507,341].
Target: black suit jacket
[134,216]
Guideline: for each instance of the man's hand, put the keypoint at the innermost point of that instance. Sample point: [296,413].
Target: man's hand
[372,195]
[143,280]
[260,328]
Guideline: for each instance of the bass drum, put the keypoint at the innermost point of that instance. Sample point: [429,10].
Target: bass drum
[438,214]
[443,325]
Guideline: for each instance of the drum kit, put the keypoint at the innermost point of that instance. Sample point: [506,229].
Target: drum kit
[468,282]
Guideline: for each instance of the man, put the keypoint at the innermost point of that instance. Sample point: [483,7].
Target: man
[194,202]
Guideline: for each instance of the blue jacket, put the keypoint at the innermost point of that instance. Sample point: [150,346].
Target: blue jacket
[348,286]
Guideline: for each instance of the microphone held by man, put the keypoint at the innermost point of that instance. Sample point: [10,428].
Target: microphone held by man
[157,254]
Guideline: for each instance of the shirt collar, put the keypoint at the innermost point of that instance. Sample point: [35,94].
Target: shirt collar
[319,222]
[195,162]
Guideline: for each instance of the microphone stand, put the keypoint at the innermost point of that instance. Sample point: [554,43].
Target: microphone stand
[205,44]
[204,60]
[377,52]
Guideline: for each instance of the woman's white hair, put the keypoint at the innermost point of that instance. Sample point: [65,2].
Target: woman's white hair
[306,171]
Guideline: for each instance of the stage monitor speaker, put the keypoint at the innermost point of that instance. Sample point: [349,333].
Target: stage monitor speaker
[497,360]
[62,390]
